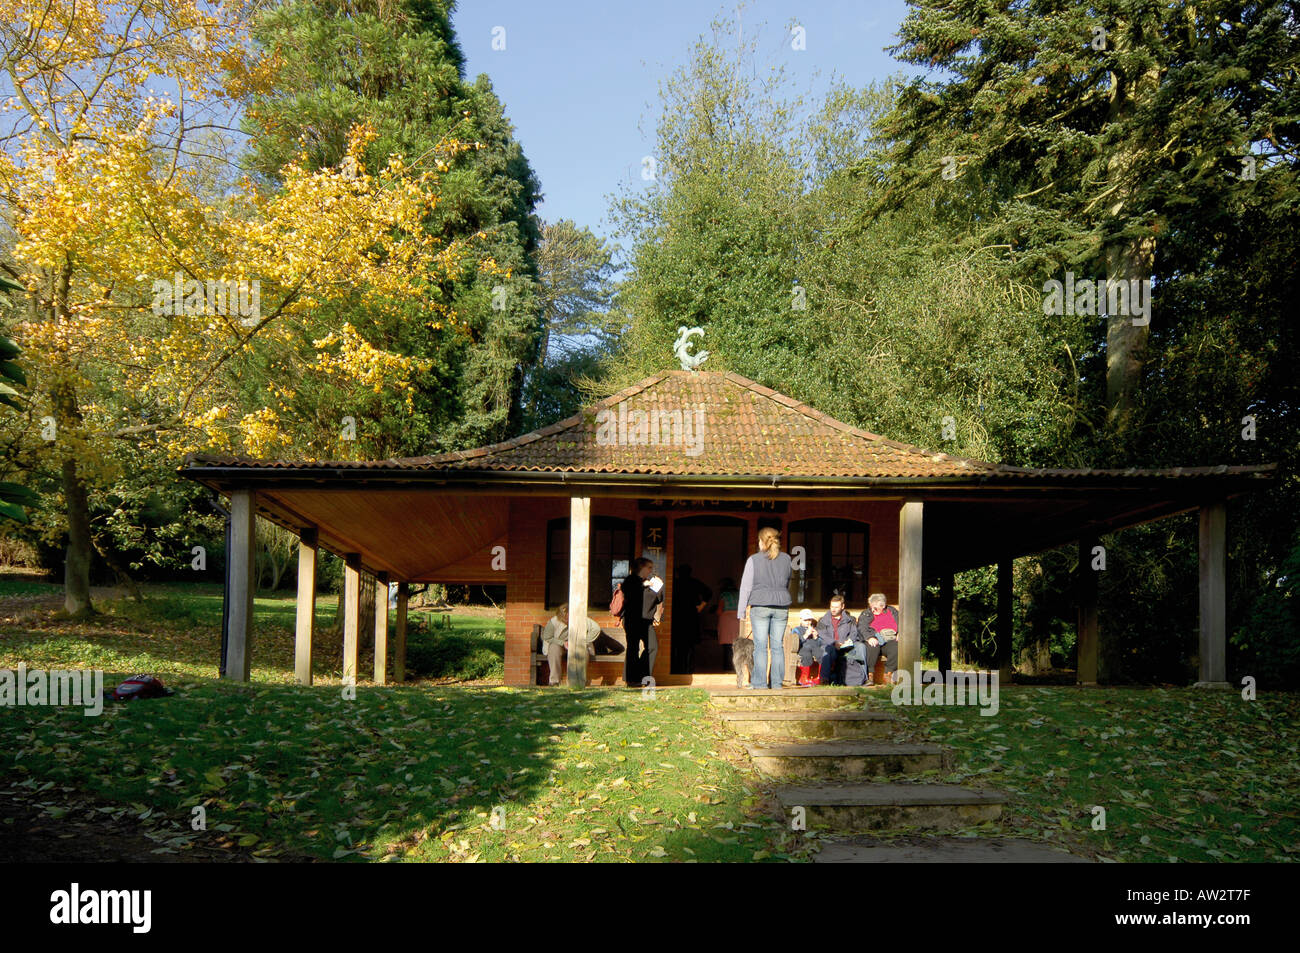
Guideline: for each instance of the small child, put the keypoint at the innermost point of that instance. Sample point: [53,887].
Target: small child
[809,647]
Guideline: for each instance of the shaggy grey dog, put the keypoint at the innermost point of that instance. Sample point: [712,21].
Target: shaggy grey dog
[742,657]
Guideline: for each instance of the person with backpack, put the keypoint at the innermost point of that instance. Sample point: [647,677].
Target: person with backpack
[629,602]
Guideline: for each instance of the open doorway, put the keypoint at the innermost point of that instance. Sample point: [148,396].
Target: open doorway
[712,549]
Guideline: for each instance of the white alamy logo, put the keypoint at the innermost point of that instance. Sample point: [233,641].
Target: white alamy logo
[658,427]
[80,688]
[1105,296]
[103,906]
[952,688]
[216,296]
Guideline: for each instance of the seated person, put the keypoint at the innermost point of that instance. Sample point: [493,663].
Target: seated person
[881,630]
[555,640]
[841,643]
[810,647]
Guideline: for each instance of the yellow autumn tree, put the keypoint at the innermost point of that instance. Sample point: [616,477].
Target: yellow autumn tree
[147,271]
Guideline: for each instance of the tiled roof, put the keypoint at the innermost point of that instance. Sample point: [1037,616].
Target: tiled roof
[708,424]
[684,423]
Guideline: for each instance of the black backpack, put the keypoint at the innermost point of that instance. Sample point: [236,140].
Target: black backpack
[140,686]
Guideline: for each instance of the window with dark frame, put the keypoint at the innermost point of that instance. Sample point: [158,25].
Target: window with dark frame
[835,559]
[611,557]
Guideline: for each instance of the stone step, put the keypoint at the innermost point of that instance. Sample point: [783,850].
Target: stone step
[710,681]
[866,807]
[804,725]
[848,759]
[933,849]
[792,699]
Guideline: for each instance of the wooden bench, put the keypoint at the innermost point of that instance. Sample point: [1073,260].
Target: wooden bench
[878,675]
[610,646]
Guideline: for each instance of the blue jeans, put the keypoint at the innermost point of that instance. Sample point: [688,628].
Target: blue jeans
[832,670]
[768,625]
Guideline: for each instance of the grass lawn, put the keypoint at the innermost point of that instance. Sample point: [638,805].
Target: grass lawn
[177,631]
[455,772]
[409,773]
[426,772]
[1182,774]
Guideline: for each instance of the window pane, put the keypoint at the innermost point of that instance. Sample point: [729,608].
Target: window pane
[817,592]
[798,577]
[619,570]
[598,593]
[836,555]
[611,547]
[557,581]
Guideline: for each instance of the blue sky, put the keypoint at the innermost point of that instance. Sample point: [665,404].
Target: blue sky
[578,77]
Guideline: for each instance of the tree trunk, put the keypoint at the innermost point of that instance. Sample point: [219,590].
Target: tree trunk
[76,571]
[1126,342]
[958,647]
[1128,257]
[67,410]
[1035,599]
[105,550]
[276,565]
[335,630]
[366,630]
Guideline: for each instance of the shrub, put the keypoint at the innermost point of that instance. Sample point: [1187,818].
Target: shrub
[1270,639]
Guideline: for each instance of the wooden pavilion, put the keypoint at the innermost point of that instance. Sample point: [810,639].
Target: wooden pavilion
[685,467]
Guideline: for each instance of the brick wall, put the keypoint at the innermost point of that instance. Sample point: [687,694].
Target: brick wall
[526,570]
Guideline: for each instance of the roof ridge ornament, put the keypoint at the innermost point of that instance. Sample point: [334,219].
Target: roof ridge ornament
[689,361]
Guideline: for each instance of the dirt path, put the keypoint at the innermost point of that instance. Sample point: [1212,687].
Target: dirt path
[57,826]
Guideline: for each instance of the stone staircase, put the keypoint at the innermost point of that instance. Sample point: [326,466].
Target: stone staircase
[853,770]
[858,773]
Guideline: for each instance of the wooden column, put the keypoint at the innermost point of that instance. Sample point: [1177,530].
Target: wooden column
[381,629]
[1086,629]
[241,585]
[1004,661]
[909,584]
[305,626]
[579,560]
[351,614]
[1213,566]
[943,641]
[399,637]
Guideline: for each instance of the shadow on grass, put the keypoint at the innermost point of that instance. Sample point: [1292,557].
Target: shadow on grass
[411,773]
[403,772]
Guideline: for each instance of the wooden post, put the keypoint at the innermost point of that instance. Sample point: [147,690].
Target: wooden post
[399,637]
[1004,660]
[1213,570]
[240,584]
[351,614]
[579,560]
[909,584]
[305,626]
[943,641]
[1086,629]
[381,629]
